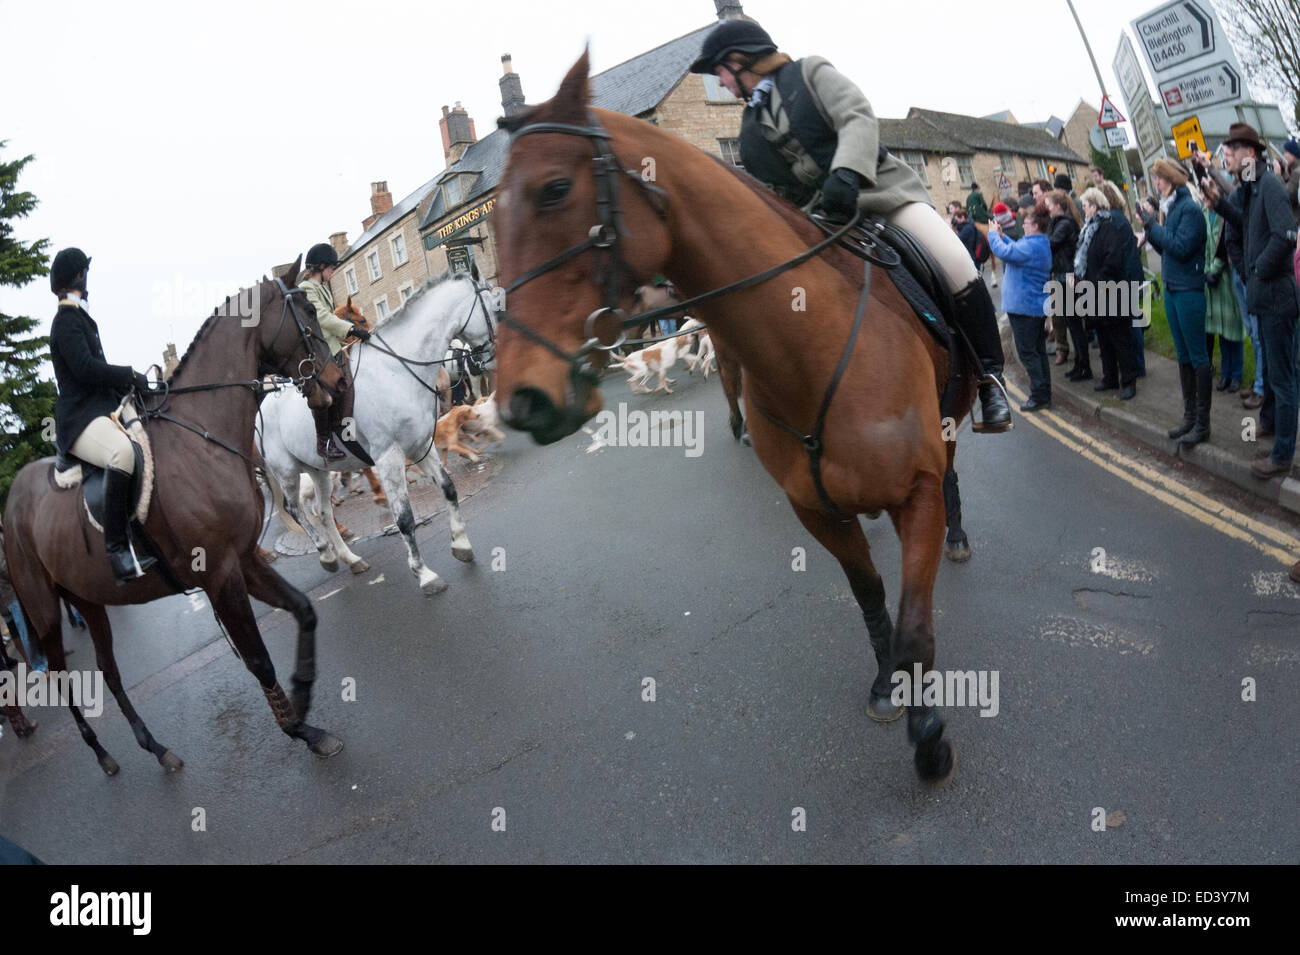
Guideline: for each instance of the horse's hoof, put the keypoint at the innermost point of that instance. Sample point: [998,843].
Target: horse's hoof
[432,586]
[883,710]
[957,551]
[360,567]
[26,730]
[170,761]
[330,565]
[463,554]
[935,762]
[109,765]
[324,744]
[744,439]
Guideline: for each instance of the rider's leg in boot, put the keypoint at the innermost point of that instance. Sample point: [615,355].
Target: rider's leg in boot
[117,505]
[978,319]
[324,446]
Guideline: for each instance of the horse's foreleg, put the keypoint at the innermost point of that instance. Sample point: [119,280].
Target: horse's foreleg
[848,545]
[101,632]
[920,523]
[307,518]
[231,604]
[392,472]
[270,588]
[322,480]
[461,548]
[957,547]
[729,372]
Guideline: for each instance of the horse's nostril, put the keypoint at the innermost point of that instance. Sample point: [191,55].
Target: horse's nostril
[532,410]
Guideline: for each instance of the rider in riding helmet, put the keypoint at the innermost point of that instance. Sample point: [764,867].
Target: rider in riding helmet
[90,389]
[810,134]
[322,262]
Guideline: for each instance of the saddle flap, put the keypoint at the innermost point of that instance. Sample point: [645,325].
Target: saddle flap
[92,486]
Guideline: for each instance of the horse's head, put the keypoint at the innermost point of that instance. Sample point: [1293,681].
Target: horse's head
[290,342]
[350,313]
[564,312]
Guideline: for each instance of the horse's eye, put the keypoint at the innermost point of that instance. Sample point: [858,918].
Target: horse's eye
[553,193]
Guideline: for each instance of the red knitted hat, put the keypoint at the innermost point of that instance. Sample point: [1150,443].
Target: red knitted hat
[999,208]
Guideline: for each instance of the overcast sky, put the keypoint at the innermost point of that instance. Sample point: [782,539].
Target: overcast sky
[190,147]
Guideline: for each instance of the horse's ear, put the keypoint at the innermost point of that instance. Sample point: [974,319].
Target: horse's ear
[349,302]
[573,92]
[291,277]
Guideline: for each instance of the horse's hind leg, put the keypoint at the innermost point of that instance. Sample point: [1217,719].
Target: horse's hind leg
[392,472]
[920,524]
[461,548]
[957,547]
[102,634]
[270,588]
[848,545]
[236,613]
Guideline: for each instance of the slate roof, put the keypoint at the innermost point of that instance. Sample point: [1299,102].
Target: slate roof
[1053,125]
[897,135]
[388,218]
[986,135]
[640,84]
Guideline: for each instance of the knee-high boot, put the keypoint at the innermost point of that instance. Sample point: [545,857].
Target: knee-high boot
[1186,378]
[126,564]
[1204,392]
[324,445]
[979,321]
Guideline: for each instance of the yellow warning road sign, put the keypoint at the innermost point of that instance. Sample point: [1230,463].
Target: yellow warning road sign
[1188,135]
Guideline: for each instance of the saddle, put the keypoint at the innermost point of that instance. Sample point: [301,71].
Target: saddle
[68,473]
[917,275]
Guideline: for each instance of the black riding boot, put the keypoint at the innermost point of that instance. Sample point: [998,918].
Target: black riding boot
[1204,392]
[979,320]
[117,507]
[1186,378]
[324,443]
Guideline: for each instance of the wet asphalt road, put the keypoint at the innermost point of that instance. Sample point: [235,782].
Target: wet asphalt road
[517,694]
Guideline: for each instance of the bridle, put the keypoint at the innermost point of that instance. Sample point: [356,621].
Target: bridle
[604,329]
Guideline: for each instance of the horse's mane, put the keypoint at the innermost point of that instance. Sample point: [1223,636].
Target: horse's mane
[434,283]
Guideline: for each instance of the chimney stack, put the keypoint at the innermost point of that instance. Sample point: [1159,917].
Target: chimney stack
[339,242]
[457,133]
[381,200]
[512,88]
[729,10]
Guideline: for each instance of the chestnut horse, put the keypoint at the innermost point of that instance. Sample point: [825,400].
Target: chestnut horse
[205,517]
[705,225]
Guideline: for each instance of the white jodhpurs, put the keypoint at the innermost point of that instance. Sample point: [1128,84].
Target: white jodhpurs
[105,445]
[937,236]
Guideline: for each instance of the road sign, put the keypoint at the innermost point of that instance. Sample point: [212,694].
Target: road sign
[1109,115]
[1187,135]
[1142,112]
[1178,34]
[1003,181]
[1151,141]
[1129,71]
[1116,136]
[1211,85]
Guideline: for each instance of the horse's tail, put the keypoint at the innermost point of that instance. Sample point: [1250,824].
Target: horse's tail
[277,501]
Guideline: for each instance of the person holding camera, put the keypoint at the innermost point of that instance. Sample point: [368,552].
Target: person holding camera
[1261,210]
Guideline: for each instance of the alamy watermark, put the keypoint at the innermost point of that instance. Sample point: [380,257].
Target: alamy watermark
[181,299]
[24,687]
[649,429]
[946,688]
[1089,299]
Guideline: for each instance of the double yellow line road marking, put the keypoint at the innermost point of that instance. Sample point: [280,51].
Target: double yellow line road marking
[1278,544]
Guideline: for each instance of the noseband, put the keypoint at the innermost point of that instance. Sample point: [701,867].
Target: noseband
[307,370]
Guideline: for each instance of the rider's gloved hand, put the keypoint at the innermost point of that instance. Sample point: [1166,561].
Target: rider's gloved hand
[360,333]
[142,384]
[840,194]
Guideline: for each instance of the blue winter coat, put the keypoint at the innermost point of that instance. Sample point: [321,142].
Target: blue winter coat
[1181,244]
[1029,263]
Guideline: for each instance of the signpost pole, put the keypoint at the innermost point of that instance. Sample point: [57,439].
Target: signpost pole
[1129,191]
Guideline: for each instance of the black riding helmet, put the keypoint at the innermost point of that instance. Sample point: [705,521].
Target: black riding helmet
[67,268]
[732,36]
[321,256]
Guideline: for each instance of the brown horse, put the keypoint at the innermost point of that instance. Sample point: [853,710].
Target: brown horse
[704,226]
[205,517]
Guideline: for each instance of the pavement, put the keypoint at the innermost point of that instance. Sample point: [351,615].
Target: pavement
[1158,407]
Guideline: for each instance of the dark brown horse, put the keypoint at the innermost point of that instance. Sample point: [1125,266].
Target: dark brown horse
[205,516]
[570,204]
